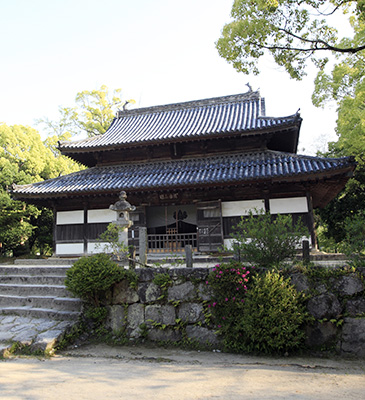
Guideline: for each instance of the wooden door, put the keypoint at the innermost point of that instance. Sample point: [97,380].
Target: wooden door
[210,227]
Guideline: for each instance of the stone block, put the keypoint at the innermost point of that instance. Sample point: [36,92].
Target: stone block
[124,294]
[355,307]
[353,336]
[141,290]
[47,340]
[161,314]
[349,285]
[135,315]
[186,291]
[170,335]
[324,306]
[202,335]
[300,282]
[146,274]
[204,292]
[321,288]
[116,318]
[320,334]
[191,312]
[153,292]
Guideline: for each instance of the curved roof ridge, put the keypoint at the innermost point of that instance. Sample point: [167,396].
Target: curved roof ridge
[247,96]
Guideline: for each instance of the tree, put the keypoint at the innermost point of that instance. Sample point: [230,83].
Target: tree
[346,86]
[24,159]
[93,113]
[292,32]
[266,241]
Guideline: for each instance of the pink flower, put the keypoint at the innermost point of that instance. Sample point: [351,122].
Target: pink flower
[226,299]
[214,304]
[208,305]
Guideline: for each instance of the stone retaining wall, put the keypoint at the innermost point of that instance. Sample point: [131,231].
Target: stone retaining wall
[179,312]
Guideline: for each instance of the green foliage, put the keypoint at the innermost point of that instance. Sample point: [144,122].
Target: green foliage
[228,283]
[93,114]
[354,245]
[90,277]
[111,237]
[291,32]
[24,159]
[163,281]
[346,86]
[273,316]
[267,241]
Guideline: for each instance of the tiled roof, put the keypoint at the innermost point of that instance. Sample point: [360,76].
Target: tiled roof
[217,116]
[198,172]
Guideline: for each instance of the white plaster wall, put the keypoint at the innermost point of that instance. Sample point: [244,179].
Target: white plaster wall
[288,205]
[70,217]
[69,248]
[239,208]
[228,243]
[100,216]
[99,247]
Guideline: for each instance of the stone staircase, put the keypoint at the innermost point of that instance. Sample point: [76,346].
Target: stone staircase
[33,294]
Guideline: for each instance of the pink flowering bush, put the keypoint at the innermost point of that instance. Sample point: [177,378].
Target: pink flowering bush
[256,311]
[229,283]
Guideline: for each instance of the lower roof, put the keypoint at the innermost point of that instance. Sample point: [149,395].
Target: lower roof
[229,169]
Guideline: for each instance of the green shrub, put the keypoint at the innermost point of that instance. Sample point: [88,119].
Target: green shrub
[90,277]
[273,316]
[354,243]
[266,241]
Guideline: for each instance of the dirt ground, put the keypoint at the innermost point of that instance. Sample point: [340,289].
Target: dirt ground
[103,372]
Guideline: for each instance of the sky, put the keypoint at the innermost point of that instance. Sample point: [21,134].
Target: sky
[157,51]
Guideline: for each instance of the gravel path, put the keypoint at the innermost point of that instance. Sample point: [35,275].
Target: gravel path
[103,372]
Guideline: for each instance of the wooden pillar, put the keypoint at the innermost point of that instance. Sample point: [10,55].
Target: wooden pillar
[311,220]
[54,230]
[85,233]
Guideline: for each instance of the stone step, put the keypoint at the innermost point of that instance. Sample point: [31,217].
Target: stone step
[34,270]
[57,303]
[46,261]
[32,279]
[34,290]
[45,313]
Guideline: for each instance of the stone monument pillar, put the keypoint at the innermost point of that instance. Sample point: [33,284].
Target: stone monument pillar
[122,208]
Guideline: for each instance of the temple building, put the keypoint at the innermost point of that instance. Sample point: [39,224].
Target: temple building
[192,170]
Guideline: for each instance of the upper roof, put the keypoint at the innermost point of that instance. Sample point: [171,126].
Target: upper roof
[199,119]
[193,173]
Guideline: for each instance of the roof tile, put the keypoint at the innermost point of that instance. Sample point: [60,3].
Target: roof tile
[228,169]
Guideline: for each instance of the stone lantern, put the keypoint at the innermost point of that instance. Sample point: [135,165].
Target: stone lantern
[122,208]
